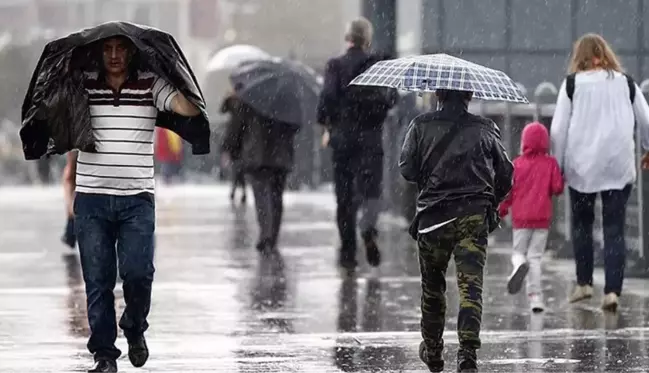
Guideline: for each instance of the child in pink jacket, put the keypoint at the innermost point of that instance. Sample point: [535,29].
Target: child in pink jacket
[537,177]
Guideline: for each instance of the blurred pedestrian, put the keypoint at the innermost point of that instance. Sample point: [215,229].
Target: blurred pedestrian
[537,178]
[69,183]
[266,148]
[232,146]
[169,153]
[592,135]
[353,119]
[462,172]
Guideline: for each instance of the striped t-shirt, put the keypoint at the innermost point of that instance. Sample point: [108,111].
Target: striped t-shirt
[124,127]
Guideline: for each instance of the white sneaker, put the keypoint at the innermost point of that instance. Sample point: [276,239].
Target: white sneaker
[536,303]
[516,279]
[610,302]
[581,293]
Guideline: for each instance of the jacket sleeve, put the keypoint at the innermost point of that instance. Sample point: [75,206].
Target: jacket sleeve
[503,170]
[506,204]
[409,159]
[328,102]
[641,112]
[557,182]
[560,125]
[233,136]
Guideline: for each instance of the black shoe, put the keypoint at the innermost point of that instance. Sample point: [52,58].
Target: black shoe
[433,360]
[467,360]
[371,248]
[138,352]
[104,365]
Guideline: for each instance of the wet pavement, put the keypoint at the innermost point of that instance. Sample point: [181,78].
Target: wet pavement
[218,308]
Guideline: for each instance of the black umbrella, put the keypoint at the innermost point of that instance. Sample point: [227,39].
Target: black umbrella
[286,91]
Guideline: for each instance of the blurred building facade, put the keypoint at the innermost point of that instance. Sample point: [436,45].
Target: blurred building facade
[529,39]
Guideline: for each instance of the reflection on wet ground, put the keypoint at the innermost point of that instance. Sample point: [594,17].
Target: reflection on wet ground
[219,307]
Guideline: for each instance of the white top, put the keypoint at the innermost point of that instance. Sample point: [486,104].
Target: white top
[124,126]
[593,136]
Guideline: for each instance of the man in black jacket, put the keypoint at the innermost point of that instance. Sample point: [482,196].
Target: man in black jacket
[353,118]
[462,172]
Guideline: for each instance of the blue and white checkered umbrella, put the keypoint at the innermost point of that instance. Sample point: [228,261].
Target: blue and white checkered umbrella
[431,72]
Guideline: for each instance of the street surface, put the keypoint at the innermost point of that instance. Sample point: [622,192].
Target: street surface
[218,308]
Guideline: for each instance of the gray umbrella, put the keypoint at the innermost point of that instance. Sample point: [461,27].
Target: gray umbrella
[286,91]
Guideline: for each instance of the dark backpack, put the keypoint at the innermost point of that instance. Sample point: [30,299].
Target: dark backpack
[570,86]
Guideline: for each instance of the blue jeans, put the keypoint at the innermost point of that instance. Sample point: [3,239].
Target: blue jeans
[111,228]
[613,221]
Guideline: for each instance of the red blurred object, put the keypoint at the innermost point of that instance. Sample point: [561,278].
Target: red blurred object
[168,146]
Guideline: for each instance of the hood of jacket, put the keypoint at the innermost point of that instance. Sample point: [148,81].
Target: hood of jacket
[55,112]
[535,139]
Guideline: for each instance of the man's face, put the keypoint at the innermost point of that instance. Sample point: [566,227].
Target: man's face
[116,55]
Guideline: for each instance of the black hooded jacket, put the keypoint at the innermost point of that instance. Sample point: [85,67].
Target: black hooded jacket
[55,112]
[472,175]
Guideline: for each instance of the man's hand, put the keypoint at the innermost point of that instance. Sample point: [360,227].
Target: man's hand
[182,106]
[326,136]
[645,161]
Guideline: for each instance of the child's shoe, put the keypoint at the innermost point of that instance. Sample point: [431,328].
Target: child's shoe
[516,279]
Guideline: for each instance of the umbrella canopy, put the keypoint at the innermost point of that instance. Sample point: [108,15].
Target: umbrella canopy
[232,56]
[286,91]
[429,73]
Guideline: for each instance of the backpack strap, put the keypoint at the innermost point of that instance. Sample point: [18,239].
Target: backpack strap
[631,83]
[570,85]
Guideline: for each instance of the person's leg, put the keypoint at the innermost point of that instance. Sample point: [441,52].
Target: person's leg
[261,180]
[135,249]
[519,262]
[435,249]
[538,241]
[96,233]
[470,258]
[583,217]
[277,187]
[370,183]
[344,183]
[614,204]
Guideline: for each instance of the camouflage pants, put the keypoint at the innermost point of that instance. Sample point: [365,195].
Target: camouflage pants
[466,239]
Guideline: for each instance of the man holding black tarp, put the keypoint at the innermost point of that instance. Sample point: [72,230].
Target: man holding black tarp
[114,206]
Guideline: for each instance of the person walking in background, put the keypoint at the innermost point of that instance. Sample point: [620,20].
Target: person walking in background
[537,178]
[592,136]
[462,172]
[69,183]
[169,152]
[232,147]
[267,152]
[353,119]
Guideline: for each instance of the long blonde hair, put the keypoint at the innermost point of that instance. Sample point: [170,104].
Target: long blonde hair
[591,51]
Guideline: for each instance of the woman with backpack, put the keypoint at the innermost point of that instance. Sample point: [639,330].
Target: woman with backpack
[592,136]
